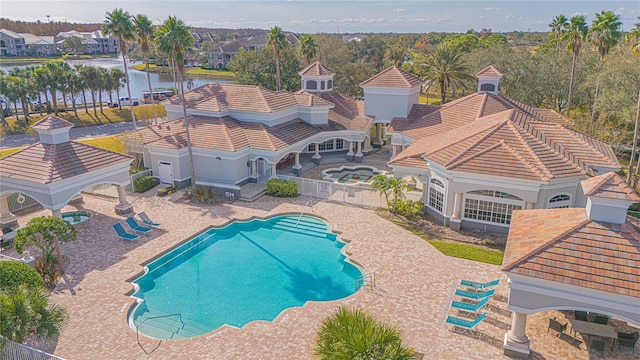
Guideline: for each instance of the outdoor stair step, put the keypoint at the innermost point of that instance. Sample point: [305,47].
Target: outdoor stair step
[304,222]
[186,250]
[302,231]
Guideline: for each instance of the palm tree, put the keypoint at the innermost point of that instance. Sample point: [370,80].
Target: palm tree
[26,311]
[308,48]
[41,78]
[634,38]
[278,40]
[144,35]
[12,85]
[54,73]
[83,82]
[447,69]
[173,38]
[354,334]
[634,41]
[74,85]
[558,27]
[118,78]
[105,83]
[575,35]
[605,32]
[119,24]
[22,90]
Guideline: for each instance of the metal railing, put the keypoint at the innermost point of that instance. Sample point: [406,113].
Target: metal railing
[370,276]
[152,318]
[302,212]
[13,350]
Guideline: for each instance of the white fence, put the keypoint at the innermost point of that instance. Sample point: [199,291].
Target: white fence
[13,351]
[138,175]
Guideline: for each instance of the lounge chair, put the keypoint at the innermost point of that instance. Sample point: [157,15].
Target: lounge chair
[145,219]
[466,325]
[628,339]
[136,227]
[122,233]
[557,326]
[470,307]
[476,286]
[474,295]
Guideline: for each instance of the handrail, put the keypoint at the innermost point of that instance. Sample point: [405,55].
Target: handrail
[151,318]
[361,280]
[302,212]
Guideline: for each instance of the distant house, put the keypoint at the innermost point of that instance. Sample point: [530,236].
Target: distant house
[12,44]
[39,45]
[95,41]
[224,51]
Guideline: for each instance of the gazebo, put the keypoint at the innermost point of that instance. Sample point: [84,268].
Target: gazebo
[585,259]
[55,170]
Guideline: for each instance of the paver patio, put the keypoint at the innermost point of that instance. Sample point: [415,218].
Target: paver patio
[414,283]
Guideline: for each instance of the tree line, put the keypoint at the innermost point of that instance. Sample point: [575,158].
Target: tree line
[51,28]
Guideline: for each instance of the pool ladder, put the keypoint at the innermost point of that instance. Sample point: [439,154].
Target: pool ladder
[370,276]
[302,212]
[151,318]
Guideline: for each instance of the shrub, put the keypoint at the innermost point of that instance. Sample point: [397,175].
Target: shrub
[409,208]
[15,273]
[136,169]
[282,188]
[145,183]
[167,191]
[203,194]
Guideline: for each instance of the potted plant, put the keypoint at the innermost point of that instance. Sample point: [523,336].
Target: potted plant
[186,193]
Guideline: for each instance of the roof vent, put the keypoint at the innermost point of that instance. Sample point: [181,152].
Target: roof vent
[489,80]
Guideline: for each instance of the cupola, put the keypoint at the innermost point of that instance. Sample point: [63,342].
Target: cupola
[53,130]
[317,78]
[608,198]
[489,80]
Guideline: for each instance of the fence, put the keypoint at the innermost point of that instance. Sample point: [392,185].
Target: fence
[138,175]
[13,351]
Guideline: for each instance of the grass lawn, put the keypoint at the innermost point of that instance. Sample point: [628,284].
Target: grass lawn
[213,74]
[113,143]
[108,116]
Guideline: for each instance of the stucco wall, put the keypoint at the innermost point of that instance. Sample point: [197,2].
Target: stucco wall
[224,171]
[386,106]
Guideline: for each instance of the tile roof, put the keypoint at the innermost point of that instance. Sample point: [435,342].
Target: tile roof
[347,113]
[311,100]
[609,186]
[565,246]
[220,97]
[481,132]
[316,69]
[490,71]
[52,122]
[393,77]
[226,134]
[48,163]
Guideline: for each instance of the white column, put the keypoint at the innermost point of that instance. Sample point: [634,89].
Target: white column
[57,213]
[6,217]
[123,205]
[393,151]
[529,205]
[273,170]
[254,168]
[297,164]
[367,144]
[516,341]
[383,132]
[457,206]
[359,149]
[350,148]
[316,155]
[379,133]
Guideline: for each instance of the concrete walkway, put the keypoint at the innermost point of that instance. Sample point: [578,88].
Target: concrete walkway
[19,140]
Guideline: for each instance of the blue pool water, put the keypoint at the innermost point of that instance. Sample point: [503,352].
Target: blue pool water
[240,273]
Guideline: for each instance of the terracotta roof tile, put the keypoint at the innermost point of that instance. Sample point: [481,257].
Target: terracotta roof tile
[564,245]
[347,113]
[609,186]
[51,122]
[490,71]
[48,163]
[393,77]
[311,100]
[316,69]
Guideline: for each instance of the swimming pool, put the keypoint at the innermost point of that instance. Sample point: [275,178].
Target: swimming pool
[75,217]
[242,272]
[347,174]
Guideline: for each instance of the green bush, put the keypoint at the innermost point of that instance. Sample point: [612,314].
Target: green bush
[14,273]
[167,191]
[136,169]
[145,183]
[409,208]
[282,188]
[203,194]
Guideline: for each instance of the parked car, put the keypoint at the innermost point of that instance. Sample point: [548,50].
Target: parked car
[125,101]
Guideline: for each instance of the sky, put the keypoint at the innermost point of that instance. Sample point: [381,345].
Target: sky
[332,16]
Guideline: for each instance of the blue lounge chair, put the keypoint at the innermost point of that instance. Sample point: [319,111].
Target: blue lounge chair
[474,295]
[463,326]
[476,286]
[145,219]
[122,233]
[470,307]
[136,227]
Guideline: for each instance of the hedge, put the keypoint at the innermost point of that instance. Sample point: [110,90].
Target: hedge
[145,183]
[282,188]
[14,274]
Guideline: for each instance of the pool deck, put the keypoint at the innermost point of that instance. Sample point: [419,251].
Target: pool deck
[413,286]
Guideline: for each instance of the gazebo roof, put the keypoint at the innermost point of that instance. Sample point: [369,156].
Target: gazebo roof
[48,163]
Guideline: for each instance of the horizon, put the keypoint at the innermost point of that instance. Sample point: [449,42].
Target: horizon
[332,16]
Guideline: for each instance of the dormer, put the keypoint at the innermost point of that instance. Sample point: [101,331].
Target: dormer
[53,130]
[608,198]
[317,78]
[489,80]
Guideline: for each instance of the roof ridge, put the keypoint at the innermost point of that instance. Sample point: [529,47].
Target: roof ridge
[547,245]
[544,175]
[554,145]
[263,128]
[603,181]
[573,133]
[456,161]
[461,154]
[483,104]
[546,172]
[223,124]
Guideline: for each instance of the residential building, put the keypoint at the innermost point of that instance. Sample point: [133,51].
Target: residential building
[39,46]
[95,41]
[12,44]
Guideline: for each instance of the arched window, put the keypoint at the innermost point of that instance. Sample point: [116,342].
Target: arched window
[559,201]
[491,206]
[322,85]
[487,87]
[312,85]
[436,195]
[330,84]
